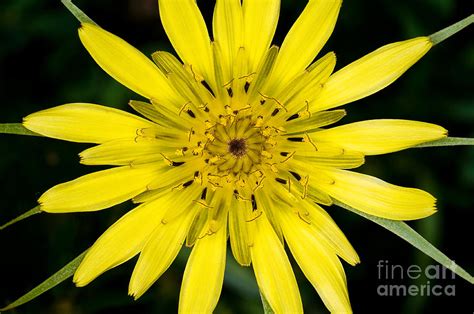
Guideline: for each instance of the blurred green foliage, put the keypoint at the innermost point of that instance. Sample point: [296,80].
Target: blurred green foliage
[42,64]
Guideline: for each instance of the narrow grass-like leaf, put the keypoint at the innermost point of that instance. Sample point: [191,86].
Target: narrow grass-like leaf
[16,128]
[449,141]
[63,274]
[29,213]
[78,13]
[405,232]
[266,306]
[449,31]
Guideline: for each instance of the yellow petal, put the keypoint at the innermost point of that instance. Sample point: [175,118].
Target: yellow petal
[269,204]
[318,262]
[314,121]
[125,64]
[344,160]
[188,34]
[239,231]
[260,21]
[161,115]
[228,31]
[185,81]
[98,190]
[300,92]
[317,218]
[85,123]
[371,73]
[262,77]
[323,225]
[305,39]
[374,137]
[121,152]
[197,227]
[241,74]
[204,274]
[376,197]
[144,148]
[123,240]
[273,271]
[161,248]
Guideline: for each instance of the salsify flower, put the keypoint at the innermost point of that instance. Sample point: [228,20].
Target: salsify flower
[234,144]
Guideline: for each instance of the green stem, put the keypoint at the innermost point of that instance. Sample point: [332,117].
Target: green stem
[449,141]
[405,232]
[78,13]
[61,275]
[29,213]
[16,128]
[449,31]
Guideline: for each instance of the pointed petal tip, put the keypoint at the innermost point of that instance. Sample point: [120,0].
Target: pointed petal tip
[243,264]
[26,122]
[78,280]
[331,54]
[354,261]
[80,284]
[83,27]
[41,203]
[134,293]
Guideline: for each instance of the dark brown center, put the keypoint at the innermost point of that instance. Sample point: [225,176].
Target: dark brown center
[238,147]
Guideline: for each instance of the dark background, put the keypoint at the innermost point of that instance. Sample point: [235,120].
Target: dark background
[42,64]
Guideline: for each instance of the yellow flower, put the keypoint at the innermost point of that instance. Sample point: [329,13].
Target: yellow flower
[234,144]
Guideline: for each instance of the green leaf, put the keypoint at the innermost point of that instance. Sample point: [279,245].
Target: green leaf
[449,31]
[405,232]
[266,306]
[63,274]
[449,141]
[29,213]
[16,128]
[78,13]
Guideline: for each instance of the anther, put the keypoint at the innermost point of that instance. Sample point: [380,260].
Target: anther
[293,117]
[297,176]
[204,194]
[191,113]
[246,87]
[186,184]
[280,180]
[295,139]
[254,203]
[204,83]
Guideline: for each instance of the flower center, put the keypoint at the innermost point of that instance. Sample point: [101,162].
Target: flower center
[238,147]
[235,146]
